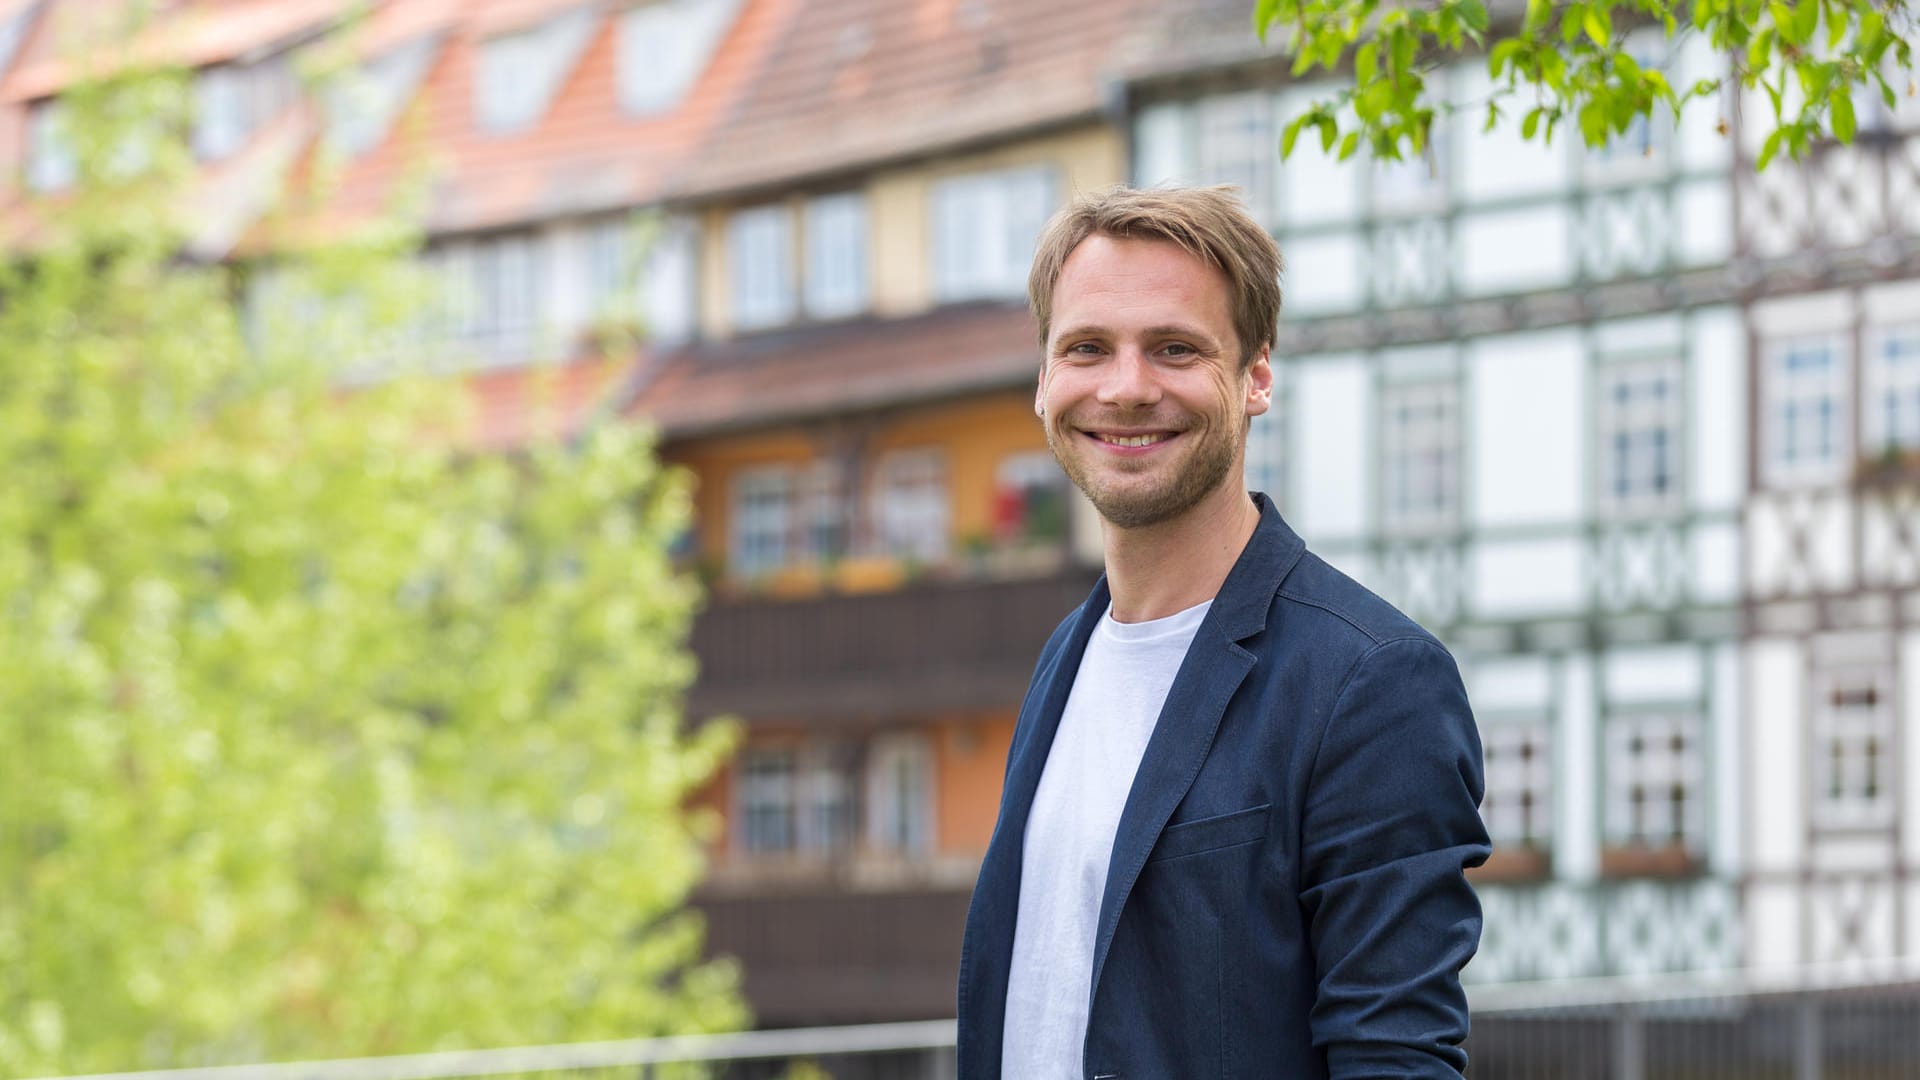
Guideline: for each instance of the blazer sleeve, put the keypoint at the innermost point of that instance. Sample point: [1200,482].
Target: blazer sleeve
[1390,824]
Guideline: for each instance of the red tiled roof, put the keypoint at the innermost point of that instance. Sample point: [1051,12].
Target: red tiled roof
[585,154]
[514,406]
[858,82]
[819,371]
[193,35]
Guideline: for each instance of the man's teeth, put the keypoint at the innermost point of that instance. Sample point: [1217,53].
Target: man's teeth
[1132,440]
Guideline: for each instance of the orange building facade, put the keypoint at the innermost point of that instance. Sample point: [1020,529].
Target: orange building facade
[792,237]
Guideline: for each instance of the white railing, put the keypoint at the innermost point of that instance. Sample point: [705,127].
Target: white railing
[1618,1027]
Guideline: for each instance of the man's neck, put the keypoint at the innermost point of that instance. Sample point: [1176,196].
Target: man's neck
[1158,570]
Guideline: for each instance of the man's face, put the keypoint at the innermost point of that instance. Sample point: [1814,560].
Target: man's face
[1141,395]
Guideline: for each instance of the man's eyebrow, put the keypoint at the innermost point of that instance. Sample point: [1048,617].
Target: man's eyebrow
[1163,331]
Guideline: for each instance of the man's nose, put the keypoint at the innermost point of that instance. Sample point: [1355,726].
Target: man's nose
[1129,382]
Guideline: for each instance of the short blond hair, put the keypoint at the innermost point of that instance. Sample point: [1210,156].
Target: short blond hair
[1209,223]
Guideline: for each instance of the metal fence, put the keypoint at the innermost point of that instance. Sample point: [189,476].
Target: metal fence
[1804,1024]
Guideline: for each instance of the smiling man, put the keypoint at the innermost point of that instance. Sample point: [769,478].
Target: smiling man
[1242,794]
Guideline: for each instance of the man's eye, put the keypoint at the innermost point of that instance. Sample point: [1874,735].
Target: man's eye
[1085,348]
[1178,349]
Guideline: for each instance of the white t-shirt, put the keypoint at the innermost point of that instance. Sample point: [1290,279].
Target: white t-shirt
[1110,714]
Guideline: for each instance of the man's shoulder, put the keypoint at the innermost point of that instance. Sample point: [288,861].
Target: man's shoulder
[1320,600]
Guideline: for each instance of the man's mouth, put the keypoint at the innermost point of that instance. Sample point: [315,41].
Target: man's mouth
[1148,439]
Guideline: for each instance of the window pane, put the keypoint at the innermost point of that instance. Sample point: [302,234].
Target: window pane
[836,246]
[760,260]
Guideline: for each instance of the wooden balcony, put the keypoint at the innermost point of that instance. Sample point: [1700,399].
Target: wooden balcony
[831,956]
[934,645]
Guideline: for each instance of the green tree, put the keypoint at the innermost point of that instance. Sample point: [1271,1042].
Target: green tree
[1573,63]
[321,736]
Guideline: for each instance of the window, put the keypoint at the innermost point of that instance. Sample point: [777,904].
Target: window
[51,165]
[1030,500]
[1518,807]
[1422,455]
[505,290]
[13,30]
[220,122]
[1416,183]
[910,505]
[1853,759]
[1236,146]
[760,257]
[984,229]
[668,282]
[1640,426]
[1806,381]
[795,799]
[766,799]
[836,283]
[610,269]
[762,519]
[823,511]
[1654,771]
[1893,420]
[643,268]
[663,47]
[1634,153]
[362,106]
[518,74]
[900,794]
[1266,448]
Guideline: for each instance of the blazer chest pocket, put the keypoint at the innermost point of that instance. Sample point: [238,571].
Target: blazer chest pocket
[1211,833]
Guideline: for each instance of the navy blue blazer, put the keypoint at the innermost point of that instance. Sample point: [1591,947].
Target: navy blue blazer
[1287,895]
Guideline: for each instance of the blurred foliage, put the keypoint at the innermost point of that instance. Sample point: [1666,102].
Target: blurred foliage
[324,736]
[1575,63]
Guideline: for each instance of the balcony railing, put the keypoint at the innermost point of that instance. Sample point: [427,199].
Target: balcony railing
[930,646]
[1791,1025]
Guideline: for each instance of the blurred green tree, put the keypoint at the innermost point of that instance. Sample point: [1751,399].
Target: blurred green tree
[1814,61]
[323,736]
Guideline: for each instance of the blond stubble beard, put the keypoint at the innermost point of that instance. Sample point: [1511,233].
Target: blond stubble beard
[1213,459]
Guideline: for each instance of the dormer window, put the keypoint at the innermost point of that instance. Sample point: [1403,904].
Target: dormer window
[231,102]
[13,30]
[519,73]
[51,165]
[362,107]
[663,47]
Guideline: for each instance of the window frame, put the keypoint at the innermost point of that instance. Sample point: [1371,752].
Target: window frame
[911,515]
[755,547]
[762,292]
[836,284]
[1889,382]
[1615,421]
[984,225]
[1686,821]
[1830,733]
[1442,440]
[1789,391]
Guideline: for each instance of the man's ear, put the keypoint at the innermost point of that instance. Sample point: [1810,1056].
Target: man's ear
[1040,394]
[1259,378]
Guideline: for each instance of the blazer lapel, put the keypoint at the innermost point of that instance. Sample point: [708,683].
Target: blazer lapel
[1212,672]
[987,956]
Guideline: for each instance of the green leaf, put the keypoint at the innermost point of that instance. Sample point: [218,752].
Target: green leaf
[1493,117]
[1531,124]
[1841,104]
[1291,134]
[1598,25]
[1264,13]
[1475,14]
[1538,12]
[1366,62]
[1760,49]
[1784,22]
[1593,123]
[1769,148]
[1329,131]
[1349,145]
[1806,19]
[1502,54]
